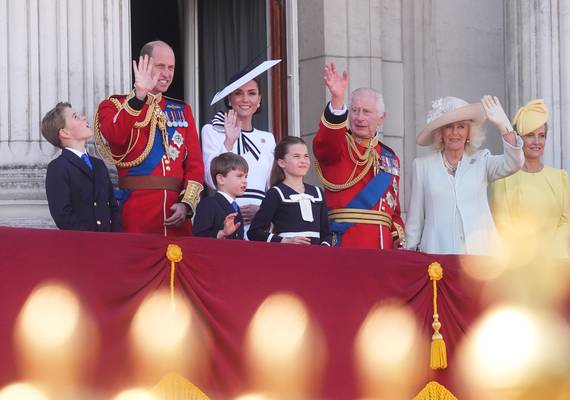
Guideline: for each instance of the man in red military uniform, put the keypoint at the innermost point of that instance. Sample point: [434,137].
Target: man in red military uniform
[360,174]
[153,142]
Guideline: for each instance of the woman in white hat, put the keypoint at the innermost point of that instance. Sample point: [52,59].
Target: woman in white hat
[234,132]
[449,211]
[537,195]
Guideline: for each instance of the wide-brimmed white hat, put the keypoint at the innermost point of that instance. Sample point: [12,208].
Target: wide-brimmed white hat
[242,78]
[446,110]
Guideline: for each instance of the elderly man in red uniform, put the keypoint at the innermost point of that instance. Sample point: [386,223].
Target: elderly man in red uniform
[360,174]
[153,142]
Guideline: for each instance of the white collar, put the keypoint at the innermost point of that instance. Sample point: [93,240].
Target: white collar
[77,152]
[229,198]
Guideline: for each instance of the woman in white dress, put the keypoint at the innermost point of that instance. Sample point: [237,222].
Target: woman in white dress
[449,211]
[234,132]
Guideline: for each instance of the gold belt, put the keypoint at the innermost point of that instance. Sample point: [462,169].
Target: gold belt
[361,216]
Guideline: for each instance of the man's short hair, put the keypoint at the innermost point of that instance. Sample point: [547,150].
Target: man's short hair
[147,49]
[225,163]
[53,122]
[378,98]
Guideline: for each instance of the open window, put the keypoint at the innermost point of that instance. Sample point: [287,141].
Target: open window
[213,39]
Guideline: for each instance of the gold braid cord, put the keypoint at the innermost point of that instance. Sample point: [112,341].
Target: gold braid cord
[369,160]
[153,116]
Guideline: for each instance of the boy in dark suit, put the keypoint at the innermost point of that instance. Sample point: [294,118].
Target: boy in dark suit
[79,190]
[219,216]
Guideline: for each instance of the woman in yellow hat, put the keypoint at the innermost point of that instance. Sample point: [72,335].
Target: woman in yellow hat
[537,196]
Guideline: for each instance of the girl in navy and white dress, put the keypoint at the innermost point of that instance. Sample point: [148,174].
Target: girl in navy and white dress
[296,210]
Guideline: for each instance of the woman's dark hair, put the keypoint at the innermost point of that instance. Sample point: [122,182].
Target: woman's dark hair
[277,174]
[257,80]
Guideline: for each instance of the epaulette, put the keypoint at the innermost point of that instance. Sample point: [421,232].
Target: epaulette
[389,149]
[173,99]
[117,96]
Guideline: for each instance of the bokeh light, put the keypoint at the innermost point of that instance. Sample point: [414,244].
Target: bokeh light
[158,327]
[279,327]
[254,396]
[166,339]
[22,391]
[387,353]
[50,317]
[55,339]
[284,350]
[513,352]
[135,394]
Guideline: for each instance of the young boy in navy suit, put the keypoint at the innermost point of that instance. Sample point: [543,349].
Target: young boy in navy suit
[79,190]
[219,216]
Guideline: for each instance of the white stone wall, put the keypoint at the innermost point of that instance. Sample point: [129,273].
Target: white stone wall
[538,61]
[451,48]
[52,50]
[413,51]
[363,36]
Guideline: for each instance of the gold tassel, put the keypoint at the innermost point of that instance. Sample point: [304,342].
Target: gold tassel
[435,391]
[174,255]
[438,354]
[175,387]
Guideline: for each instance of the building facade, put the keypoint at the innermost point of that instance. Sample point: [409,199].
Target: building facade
[413,51]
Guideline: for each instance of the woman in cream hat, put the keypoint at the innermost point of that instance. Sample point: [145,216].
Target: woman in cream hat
[538,195]
[449,212]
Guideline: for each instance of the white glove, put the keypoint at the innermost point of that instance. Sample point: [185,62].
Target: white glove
[496,114]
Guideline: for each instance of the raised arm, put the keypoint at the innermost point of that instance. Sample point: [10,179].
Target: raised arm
[513,158]
[330,139]
[336,85]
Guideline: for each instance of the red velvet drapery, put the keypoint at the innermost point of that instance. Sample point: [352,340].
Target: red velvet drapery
[226,281]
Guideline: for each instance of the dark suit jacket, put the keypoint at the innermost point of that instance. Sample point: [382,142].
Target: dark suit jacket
[210,215]
[80,198]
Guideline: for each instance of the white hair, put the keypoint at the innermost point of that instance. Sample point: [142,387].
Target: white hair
[365,91]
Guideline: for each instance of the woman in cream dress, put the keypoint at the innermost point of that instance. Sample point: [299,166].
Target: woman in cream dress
[537,196]
[449,211]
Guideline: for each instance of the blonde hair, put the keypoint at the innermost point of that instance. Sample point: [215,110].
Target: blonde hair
[474,140]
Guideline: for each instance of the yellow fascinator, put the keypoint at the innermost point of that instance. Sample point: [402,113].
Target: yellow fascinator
[531,116]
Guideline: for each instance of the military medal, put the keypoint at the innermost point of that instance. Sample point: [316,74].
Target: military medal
[184,123]
[395,186]
[175,122]
[173,152]
[177,139]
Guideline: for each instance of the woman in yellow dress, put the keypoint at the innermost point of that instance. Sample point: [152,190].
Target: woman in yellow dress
[538,194]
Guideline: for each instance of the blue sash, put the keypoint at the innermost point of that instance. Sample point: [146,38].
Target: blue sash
[365,199]
[153,158]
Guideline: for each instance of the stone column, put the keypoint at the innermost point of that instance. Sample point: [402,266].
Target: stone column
[363,36]
[537,51]
[55,50]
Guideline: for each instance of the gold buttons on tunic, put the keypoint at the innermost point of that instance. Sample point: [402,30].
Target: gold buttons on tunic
[168,167]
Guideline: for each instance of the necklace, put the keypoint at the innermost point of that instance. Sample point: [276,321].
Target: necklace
[450,168]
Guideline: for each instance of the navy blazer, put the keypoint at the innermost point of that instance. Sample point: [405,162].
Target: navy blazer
[80,198]
[210,215]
